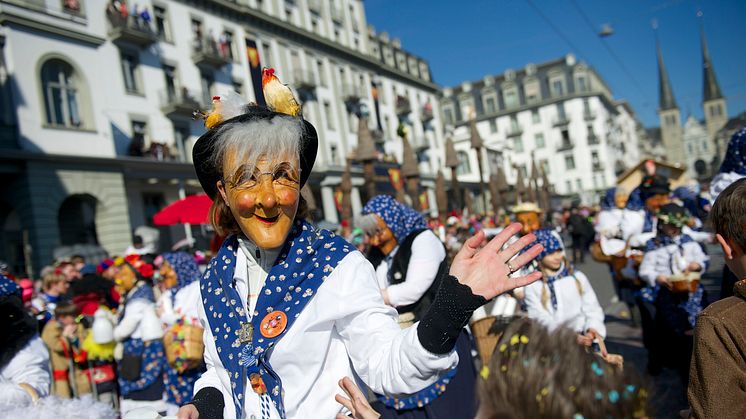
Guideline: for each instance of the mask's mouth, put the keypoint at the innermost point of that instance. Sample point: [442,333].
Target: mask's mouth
[267,220]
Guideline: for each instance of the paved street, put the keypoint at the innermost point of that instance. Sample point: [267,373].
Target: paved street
[667,393]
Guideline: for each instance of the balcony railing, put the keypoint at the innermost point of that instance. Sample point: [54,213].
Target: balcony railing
[589,115]
[597,167]
[403,107]
[304,79]
[561,120]
[593,139]
[337,14]
[131,29]
[515,131]
[178,104]
[565,145]
[206,52]
[352,92]
[427,112]
[315,6]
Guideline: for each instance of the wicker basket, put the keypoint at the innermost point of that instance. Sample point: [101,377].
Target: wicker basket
[686,282]
[485,342]
[598,255]
[184,347]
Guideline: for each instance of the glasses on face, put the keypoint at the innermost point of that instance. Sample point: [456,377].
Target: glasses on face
[283,175]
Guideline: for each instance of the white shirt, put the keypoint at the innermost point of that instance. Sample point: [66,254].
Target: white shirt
[619,222]
[130,325]
[576,311]
[427,255]
[31,366]
[659,261]
[185,305]
[345,330]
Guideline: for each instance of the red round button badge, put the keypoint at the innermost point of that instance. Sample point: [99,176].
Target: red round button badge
[273,324]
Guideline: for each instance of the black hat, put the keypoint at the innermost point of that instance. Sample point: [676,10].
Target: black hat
[673,214]
[654,185]
[209,175]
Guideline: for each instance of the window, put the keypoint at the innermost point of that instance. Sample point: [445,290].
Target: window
[704,146]
[490,105]
[162,27]
[181,138]
[137,143]
[582,84]
[579,183]
[558,88]
[267,60]
[329,117]
[561,115]
[169,73]
[511,98]
[129,71]
[514,127]
[198,43]
[61,94]
[544,165]
[569,162]
[568,186]
[493,126]
[464,167]
[565,138]
[535,117]
[333,154]
[226,45]
[448,115]
[539,140]
[586,107]
[532,91]
[594,159]
[320,70]
[206,81]
[314,24]
[518,144]
[237,87]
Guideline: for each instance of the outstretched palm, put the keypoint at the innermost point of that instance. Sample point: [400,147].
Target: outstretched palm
[483,266]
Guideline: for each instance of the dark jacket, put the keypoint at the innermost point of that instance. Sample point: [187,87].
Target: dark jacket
[717,384]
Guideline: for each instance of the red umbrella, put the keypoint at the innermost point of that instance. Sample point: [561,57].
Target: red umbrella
[193,209]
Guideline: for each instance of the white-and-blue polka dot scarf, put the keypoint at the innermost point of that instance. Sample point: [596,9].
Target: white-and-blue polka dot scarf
[401,219]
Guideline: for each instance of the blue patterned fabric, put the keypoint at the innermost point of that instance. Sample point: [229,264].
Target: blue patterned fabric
[152,366]
[422,397]
[634,202]
[550,240]
[179,386]
[186,270]
[649,220]
[141,291]
[735,155]
[563,272]
[401,219]
[308,257]
[8,287]
[608,202]
[693,306]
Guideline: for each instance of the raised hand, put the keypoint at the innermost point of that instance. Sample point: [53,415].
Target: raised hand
[357,403]
[485,267]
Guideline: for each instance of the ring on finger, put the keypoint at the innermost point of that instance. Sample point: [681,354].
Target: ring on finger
[510,267]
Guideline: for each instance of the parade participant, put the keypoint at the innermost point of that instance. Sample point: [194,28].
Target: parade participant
[564,297]
[529,215]
[54,288]
[732,169]
[654,193]
[408,276]
[142,361]
[615,221]
[717,384]
[178,307]
[24,360]
[581,232]
[669,255]
[288,309]
[63,336]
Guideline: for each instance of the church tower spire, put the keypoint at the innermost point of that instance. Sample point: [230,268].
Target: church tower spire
[668,112]
[713,102]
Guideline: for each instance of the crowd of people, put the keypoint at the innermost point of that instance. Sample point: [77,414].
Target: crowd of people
[287,320]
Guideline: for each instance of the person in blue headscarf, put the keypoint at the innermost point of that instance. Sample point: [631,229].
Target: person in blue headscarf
[409,260]
[733,166]
[616,223]
[178,307]
[565,297]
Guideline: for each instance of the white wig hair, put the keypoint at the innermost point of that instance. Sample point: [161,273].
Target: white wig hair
[620,191]
[368,223]
[275,140]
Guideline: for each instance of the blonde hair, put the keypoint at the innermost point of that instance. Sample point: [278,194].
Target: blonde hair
[545,287]
[51,279]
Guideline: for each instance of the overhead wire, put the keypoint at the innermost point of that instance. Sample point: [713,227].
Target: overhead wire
[556,30]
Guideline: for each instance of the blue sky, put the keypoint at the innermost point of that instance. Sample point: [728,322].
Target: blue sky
[467,39]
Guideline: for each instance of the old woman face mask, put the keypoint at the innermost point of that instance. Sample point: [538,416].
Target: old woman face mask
[264,202]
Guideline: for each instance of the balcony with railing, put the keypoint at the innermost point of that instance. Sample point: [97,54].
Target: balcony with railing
[130,29]
[565,145]
[206,52]
[515,130]
[598,167]
[178,104]
[593,139]
[427,114]
[403,108]
[561,120]
[337,13]
[315,6]
[589,115]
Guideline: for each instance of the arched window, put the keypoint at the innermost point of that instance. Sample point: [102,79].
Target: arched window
[76,220]
[464,167]
[62,89]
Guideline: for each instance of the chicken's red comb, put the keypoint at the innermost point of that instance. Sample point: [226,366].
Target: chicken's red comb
[216,98]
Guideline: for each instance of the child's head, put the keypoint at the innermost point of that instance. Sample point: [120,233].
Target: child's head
[553,254]
[537,374]
[55,283]
[728,218]
[671,219]
[65,313]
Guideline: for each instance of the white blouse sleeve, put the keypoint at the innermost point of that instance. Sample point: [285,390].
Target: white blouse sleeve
[30,366]
[134,312]
[427,255]
[388,359]
[594,314]
[535,308]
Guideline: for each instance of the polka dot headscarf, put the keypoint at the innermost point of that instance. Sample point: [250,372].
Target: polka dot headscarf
[401,219]
[735,156]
